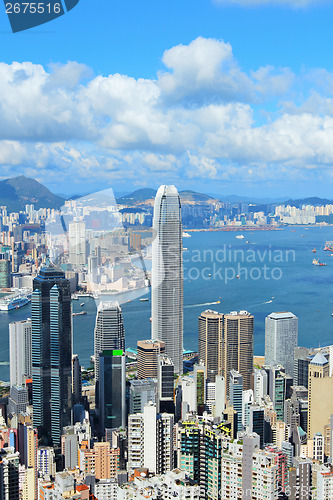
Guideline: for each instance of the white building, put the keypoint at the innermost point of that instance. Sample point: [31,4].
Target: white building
[150,440]
[166,487]
[46,462]
[281,338]
[20,352]
[167,274]
[77,243]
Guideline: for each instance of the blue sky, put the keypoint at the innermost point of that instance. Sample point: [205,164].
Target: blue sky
[229,96]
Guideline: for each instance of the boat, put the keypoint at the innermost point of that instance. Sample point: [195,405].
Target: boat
[14,301]
[186,235]
[328,246]
[316,262]
[144,300]
[293,230]
[82,304]
[185,249]
[81,313]
[240,236]
[314,250]
[237,276]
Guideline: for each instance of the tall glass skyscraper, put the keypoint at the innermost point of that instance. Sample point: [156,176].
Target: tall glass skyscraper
[281,338]
[109,331]
[51,321]
[167,274]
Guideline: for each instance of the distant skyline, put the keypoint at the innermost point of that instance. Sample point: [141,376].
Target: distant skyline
[222,96]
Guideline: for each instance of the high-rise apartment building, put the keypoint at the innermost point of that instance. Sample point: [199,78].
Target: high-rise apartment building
[211,342]
[148,352]
[77,243]
[9,474]
[237,353]
[281,337]
[102,461]
[150,440]
[167,274]
[51,322]
[109,331]
[4,273]
[20,352]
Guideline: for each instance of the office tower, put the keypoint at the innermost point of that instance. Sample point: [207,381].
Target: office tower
[300,479]
[77,379]
[279,388]
[109,331]
[210,342]
[51,321]
[167,274]
[69,448]
[281,336]
[236,396]
[20,352]
[150,440]
[165,385]
[5,273]
[141,392]
[248,401]
[301,366]
[9,474]
[147,357]
[320,387]
[257,422]
[77,243]
[112,390]
[260,384]
[210,397]
[237,351]
[18,400]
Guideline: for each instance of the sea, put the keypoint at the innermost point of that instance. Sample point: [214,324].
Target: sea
[275,273]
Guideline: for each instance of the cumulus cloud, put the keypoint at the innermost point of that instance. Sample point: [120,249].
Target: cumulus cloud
[198,117]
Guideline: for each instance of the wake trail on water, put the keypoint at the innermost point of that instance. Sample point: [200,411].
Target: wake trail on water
[200,305]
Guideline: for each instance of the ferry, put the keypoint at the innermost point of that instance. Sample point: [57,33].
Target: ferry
[144,300]
[81,313]
[316,262]
[82,304]
[14,301]
[240,236]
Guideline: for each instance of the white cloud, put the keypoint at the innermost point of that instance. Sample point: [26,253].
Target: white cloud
[199,117]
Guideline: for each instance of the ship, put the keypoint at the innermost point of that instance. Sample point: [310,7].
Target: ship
[240,236]
[81,313]
[328,246]
[186,235]
[14,301]
[144,300]
[316,262]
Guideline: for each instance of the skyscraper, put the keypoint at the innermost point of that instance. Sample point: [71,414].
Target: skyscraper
[210,342]
[20,351]
[112,390]
[281,335]
[77,243]
[237,353]
[147,355]
[167,274]
[51,320]
[109,331]
[236,396]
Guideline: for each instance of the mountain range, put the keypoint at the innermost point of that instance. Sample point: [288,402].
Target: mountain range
[19,191]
